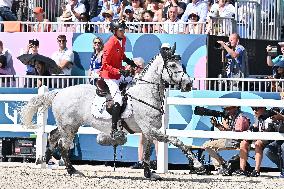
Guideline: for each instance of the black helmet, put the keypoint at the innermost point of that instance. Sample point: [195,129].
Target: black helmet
[117,24]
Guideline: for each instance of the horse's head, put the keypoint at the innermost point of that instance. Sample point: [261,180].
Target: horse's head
[173,71]
[174,74]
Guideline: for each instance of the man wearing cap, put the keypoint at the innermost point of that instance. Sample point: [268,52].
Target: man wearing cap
[112,71]
[108,17]
[199,6]
[40,17]
[234,117]
[6,13]
[279,58]
[113,5]
[76,8]
[127,15]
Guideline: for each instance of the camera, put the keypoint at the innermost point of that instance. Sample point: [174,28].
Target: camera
[34,42]
[272,51]
[219,46]
[3,61]
[207,112]
[275,126]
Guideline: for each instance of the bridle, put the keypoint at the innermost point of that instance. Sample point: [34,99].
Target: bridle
[165,66]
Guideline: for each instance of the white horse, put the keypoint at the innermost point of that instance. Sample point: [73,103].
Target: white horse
[72,107]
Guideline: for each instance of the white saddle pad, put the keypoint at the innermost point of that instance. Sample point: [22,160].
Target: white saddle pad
[98,109]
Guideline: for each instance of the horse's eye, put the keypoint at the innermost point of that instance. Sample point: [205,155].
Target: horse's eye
[173,66]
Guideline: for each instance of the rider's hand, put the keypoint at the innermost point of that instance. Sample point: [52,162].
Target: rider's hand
[125,73]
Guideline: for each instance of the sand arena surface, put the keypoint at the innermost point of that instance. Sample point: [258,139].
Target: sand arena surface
[26,175]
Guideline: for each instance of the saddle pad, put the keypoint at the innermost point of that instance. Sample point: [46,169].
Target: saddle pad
[98,109]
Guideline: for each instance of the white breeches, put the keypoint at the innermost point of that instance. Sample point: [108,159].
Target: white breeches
[113,85]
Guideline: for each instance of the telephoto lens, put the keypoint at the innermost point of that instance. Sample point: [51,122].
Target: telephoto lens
[217,45]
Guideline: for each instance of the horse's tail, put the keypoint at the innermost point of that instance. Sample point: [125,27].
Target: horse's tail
[40,101]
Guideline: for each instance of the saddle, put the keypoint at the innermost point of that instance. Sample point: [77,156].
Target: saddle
[103,91]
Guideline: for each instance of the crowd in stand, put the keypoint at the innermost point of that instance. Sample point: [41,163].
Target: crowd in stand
[175,12]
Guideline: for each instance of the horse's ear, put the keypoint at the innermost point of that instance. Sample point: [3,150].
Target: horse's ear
[174,48]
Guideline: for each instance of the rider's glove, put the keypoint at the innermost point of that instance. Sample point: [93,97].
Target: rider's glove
[125,73]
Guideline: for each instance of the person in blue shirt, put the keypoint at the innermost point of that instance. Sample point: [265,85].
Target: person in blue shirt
[96,59]
[272,62]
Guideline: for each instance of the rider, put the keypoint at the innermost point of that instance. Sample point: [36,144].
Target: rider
[112,70]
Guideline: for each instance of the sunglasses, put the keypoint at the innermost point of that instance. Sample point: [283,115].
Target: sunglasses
[108,15]
[128,11]
[97,42]
[61,41]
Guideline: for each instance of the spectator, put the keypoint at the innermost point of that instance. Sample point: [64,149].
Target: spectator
[157,10]
[193,27]
[64,57]
[113,6]
[199,6]
[66,17]
[3,66]
[226,9]
[147,17]
[228,124]
[237,60]
[75,8]
[9,60]
[96,59]
[172,25]
[40,17]
[138,8]
[272,62]
[259,145]
[6,13]
[41,70]
[128,17]
[32,48]
[108,17]
[172,3]
[148,5]
[87,28]
[275,150]
[278,73]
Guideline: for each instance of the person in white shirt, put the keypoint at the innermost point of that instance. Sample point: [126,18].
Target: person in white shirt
[64,57]
[76,8]
[172,25]
[6,13]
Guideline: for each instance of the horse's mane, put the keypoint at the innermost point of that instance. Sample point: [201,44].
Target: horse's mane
[144,71]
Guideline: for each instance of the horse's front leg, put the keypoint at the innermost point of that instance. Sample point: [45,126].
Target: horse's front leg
[159,136]
[146,160]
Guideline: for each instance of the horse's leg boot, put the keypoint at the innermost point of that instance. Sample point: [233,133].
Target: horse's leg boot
[115,117]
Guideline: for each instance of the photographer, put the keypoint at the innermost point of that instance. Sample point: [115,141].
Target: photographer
[275,150]
[269,49]
[260,124]
[237,60]
[233,122]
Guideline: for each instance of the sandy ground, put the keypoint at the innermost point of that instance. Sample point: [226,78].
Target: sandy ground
[27,175]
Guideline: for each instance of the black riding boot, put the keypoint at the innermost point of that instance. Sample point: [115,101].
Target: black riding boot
[115,117]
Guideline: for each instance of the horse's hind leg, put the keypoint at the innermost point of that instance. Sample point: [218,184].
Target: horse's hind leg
[64,145]
[53,138]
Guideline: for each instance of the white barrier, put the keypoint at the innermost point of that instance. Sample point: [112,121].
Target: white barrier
[162,160]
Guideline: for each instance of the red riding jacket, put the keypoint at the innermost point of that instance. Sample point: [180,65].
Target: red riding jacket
[113,55]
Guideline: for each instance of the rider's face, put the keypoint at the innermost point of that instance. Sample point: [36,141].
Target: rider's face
[120,33]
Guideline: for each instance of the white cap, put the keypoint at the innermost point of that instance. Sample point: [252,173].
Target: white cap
[166,45]
[281,43]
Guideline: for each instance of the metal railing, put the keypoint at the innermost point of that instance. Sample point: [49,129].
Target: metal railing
[217,26]
[259,19]
[215,84]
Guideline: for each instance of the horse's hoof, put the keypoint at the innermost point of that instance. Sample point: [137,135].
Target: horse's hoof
[71,170]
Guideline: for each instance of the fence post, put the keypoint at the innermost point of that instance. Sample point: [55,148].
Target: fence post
[41,139]
[162,156]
